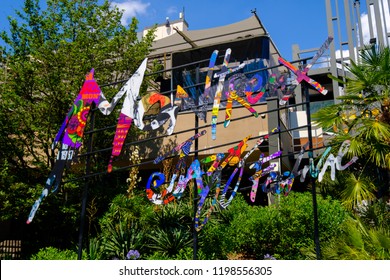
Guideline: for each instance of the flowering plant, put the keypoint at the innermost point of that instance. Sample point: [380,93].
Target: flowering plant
[133,255]
[269,257]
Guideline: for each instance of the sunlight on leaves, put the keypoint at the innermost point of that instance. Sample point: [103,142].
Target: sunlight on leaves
[357,190]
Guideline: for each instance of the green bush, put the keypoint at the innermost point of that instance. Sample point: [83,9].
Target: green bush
[377,215]
[51,253]
[188,254]
[120,238]
[171,229]
[280,230]
[158,256]
[241,231]
[214,239]
[136,224]
[356,242]
[126,210]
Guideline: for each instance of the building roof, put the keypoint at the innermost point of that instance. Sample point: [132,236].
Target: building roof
[192,39]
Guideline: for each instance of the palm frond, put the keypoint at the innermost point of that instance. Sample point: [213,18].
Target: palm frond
[371,56]
[362,79]
[329,116]
[380,242]
[336,78]
[379,154]
[357,190]
[357,147]
[373,129]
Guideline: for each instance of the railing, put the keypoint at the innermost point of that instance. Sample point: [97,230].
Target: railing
[11,249]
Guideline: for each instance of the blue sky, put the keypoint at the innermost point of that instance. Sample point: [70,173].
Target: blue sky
[288,22]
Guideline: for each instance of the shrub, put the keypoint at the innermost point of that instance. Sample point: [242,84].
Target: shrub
[51,253]
[280,230]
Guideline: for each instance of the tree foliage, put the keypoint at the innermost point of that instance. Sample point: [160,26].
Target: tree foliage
[47,55]
[363,117]
[44,59]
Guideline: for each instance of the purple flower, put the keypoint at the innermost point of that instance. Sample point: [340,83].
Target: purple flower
[132,255]
[269,257]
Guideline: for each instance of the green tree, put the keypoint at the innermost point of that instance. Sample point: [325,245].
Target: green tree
[363,117]
[44,59]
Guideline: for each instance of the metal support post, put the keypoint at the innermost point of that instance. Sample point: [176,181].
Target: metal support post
[86,186]
[313,185]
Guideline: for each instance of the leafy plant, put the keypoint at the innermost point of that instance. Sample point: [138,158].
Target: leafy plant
[279,230]
[363,117]
[122,238]
[356,242]
[96,249]
[51,253]
[47,52]
[126,210]
[188,254]
[170,241]
[376,215]
[157,255]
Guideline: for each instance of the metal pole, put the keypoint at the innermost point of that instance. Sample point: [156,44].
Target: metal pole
[86,186]
[332,63]
[313,186]
[359,20]
[350,29]
[195,191]
[273,119]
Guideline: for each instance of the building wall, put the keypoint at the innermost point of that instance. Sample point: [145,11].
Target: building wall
[165,30]
[243,124]
[235,132]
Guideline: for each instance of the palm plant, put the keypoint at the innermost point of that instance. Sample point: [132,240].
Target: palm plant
[363,117]
[357,242]
[360,189]
[377,215]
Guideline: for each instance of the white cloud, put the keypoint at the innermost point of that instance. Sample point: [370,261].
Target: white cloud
[322,62]
[172,10]
[345,53]
[365,23]
[343,56]
[131,8]
[384,18]
[365,29]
